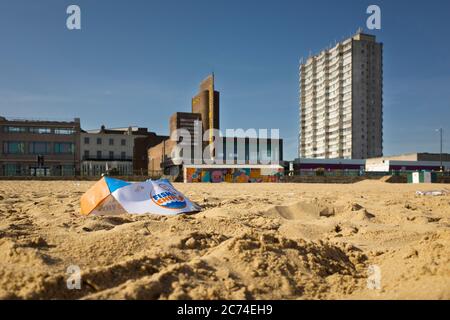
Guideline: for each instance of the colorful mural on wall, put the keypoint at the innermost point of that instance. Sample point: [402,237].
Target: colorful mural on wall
[235,175]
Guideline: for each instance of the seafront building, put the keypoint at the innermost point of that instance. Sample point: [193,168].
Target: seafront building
[31,147]
[399,163]
[410,162]
[341,106]
[103,151]
[39,147]
[230,150]
[121,151]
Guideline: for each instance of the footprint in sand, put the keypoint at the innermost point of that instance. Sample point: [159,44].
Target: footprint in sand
[302,210]
[103,223]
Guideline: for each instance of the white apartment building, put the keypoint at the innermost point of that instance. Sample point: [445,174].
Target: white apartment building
[341,101]
[105,150]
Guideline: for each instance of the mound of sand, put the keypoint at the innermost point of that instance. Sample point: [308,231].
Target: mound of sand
[265,241]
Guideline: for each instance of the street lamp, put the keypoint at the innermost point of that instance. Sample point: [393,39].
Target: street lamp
[440,155]
[74,150]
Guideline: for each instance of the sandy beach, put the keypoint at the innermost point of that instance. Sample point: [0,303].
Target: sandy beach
[251,241]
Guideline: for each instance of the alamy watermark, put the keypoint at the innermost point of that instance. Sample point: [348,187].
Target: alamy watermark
[374,20]
[374,277]
[237,146]
[73,21]
[74,280]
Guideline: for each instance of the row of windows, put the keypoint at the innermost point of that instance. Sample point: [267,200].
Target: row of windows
[87,155]
[18,147]
[123,142]
[38,130]
[44,148]
[12,169]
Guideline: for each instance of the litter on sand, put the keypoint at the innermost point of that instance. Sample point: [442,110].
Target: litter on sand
[432,193]
[111,196]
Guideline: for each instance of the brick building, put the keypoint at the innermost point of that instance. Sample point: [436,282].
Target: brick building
[39,147]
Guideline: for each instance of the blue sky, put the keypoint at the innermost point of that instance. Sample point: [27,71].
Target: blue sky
[136,62]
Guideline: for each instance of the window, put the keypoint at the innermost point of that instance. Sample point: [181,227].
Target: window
[39,147]
[123,155]
[86,154]
[99,154]
[111,154]
[11,147]
[12,170]
[86,140]
[40,130]
[111,142]
[99,140]
[64,131]
[64,148]
[123,142]
[15,129]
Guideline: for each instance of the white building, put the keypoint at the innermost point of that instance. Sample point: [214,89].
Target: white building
[107,150]
[341,101]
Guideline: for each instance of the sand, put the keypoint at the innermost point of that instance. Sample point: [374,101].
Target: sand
[251,241]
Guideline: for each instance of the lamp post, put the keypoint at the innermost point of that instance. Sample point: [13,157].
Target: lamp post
[440,154]
[74,150]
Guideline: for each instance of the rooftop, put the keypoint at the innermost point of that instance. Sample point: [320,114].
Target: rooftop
[39,120]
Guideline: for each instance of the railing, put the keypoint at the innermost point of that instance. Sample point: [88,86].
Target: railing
[93,158]
[69,175]
[37,119]
[356,172]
